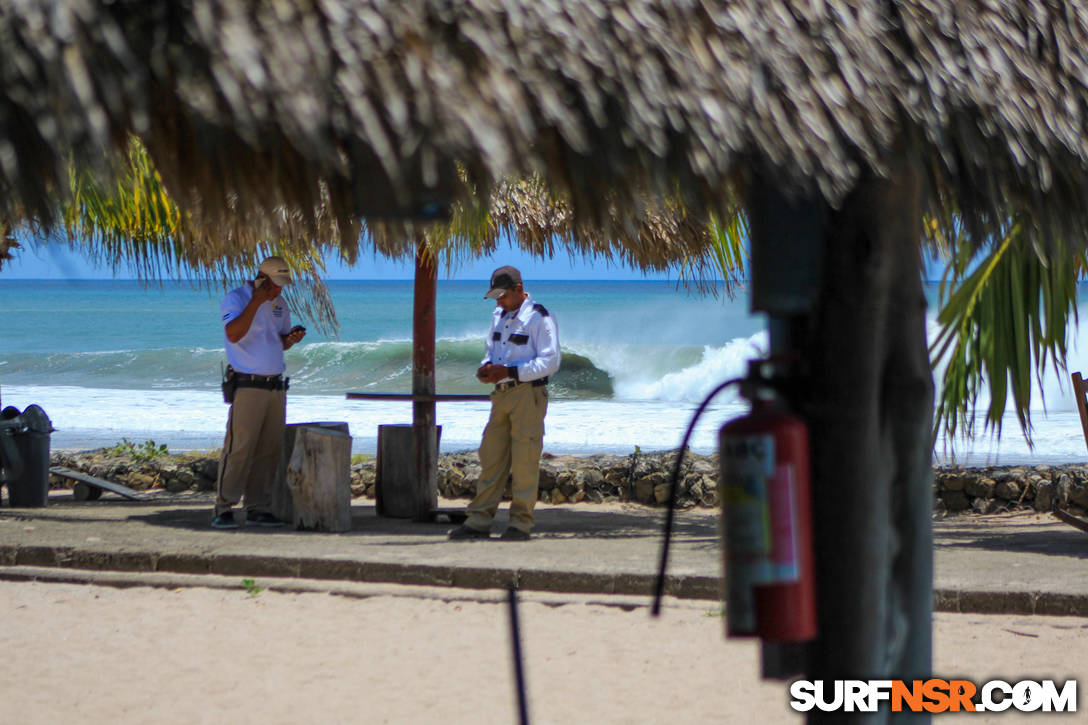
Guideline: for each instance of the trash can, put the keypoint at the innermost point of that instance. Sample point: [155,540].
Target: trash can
[24,456]
[11,465]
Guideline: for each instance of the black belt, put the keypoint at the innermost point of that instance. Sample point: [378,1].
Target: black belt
[539,383]
[267,382]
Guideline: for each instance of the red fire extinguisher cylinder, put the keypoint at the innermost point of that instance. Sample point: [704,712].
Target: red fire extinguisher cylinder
[767,516]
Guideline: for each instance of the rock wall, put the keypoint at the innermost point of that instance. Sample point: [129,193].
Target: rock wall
[175,473]
[998,489]
[642,477]
[638,477]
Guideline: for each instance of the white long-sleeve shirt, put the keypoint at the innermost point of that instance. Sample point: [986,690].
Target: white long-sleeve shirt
[527,339]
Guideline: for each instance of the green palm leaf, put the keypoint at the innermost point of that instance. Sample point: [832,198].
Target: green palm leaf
[1004,312]
[1004,309]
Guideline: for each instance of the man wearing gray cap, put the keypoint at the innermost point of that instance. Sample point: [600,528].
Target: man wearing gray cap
[257,327]
[522,350]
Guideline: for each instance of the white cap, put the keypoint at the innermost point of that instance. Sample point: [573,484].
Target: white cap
[276,270]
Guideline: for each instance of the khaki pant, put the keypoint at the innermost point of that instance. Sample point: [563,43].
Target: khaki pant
[251,449]
[512,442]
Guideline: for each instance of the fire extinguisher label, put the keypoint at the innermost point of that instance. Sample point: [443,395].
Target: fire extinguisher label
[785,558]
[747,466]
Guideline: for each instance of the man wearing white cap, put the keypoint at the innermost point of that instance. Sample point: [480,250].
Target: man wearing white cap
[522,350]
[257,327]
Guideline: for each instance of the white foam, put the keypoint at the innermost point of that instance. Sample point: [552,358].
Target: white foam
[673,374]
[186,419]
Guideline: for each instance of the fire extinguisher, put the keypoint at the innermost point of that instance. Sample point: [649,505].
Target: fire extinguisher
[766,512]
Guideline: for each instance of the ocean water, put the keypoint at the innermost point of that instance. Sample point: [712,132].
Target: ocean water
[114,359]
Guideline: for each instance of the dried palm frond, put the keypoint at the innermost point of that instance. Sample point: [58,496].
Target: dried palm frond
[135,222]
[363,108]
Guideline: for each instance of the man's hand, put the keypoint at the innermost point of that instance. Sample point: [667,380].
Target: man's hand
[490,373]
[266,292]
[295,335]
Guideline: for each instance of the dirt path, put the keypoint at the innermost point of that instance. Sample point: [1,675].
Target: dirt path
[90,654]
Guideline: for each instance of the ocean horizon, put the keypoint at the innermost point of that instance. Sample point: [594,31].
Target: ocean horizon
[115,359]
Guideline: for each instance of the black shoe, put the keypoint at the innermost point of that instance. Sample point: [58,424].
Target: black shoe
[264,519]
[465,533]
[224,520]
[514,534]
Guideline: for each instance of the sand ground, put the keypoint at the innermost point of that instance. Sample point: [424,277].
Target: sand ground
[92,654]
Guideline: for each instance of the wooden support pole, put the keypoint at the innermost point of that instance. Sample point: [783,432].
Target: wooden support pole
[424,438]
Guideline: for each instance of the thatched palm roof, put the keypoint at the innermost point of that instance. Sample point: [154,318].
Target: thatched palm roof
[656,234]
[365,107]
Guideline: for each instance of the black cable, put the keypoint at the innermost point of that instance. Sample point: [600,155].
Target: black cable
[519,673]
[659,586]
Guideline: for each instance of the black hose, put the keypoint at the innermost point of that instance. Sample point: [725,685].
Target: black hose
[659,586]
[519,673]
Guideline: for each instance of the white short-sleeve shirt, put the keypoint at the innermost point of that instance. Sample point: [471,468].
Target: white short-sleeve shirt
[260,351]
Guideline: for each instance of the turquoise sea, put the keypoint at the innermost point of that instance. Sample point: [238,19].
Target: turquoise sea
[113,359]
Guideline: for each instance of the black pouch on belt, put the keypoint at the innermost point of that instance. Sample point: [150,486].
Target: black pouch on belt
[229,384]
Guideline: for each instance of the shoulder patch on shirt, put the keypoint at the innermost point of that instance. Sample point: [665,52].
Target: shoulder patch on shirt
[540,308]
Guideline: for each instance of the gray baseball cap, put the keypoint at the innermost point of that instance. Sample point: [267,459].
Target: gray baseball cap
[502,279]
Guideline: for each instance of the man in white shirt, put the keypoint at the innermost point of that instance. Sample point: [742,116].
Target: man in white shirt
[257,328]
[522,350]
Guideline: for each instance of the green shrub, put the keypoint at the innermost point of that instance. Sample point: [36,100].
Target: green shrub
[140,452]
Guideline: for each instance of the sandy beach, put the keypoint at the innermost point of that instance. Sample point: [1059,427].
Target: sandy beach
[94,654]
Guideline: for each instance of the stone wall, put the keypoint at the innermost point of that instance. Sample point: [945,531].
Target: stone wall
[638,477]
[175,472]
[997,489]
[642,478]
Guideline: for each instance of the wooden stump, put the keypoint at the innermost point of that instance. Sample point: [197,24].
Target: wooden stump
[319,479]
[280,504]
[398,489]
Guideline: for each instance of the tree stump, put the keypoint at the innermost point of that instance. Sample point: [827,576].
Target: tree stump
[399,490]
[319,479]
[280,504]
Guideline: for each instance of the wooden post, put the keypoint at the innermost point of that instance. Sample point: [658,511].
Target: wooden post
[424,438]
[866,393]
[319,477]
[784,230]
